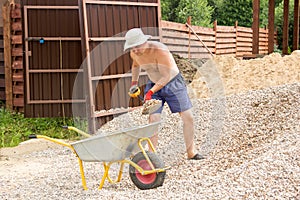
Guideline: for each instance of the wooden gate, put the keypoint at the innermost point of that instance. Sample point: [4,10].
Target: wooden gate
[104,25]
[52,57]
[74,58]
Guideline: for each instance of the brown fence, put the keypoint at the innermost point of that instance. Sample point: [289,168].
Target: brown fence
[2,69]
[54,38]
[181,41]
[220,40]
[13,57]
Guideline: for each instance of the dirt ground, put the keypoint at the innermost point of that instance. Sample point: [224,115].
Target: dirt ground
[224,75]
[235,76]
[16,156]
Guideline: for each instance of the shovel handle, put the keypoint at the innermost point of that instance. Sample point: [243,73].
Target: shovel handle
[141,99]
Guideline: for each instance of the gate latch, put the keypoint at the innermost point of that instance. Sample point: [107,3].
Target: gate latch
[36,39]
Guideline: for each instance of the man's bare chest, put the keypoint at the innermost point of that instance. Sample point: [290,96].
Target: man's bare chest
[146,61]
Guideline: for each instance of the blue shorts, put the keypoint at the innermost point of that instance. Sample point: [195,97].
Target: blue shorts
[174,93]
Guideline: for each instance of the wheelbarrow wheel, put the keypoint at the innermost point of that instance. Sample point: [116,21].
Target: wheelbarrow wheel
[149,181]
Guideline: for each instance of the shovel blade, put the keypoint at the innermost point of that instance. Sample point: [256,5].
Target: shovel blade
[151,107]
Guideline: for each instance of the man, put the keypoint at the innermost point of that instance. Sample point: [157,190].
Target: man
[165,84]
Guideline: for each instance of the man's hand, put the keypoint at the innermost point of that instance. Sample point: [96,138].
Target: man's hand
[134,91]
[148,95]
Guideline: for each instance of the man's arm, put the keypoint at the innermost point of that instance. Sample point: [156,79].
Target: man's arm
[134,90]
[135,71]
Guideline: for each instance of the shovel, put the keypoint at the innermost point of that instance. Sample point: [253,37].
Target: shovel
[149,106]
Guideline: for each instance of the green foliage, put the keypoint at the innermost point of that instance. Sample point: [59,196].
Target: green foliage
[231,11]
[227,12]
[180,10]
[277,50]
[168,9]
[199,10]
[14,128]
[204,12]
[264,13]
[216,4]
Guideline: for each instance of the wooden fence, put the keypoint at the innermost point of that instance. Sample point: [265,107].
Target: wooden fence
[2,69]
[44,101]
[13,57]
[220,40]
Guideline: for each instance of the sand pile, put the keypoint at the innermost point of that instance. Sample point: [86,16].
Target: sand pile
[231,76]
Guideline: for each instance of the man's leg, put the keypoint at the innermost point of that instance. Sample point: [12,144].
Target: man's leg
[154,118]
[188,132]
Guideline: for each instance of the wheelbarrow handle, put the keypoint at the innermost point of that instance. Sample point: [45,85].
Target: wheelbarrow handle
[65,127]
[32,136]
[76,130]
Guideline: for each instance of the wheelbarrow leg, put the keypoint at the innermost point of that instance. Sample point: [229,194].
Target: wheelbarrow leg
[106,176]
[82,174]
[120,172]
[106,168]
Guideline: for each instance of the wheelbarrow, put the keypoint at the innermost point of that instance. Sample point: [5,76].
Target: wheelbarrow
[146,169]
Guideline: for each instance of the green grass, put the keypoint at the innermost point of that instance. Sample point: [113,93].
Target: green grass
[14,128]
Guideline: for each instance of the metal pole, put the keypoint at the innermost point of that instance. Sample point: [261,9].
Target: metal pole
[199,38]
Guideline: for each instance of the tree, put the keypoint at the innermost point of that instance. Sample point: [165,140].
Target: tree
[216,4]
[199,10]
[231,11]
[180,10]
[224,11]
[264,11]
[227,12]
[168,8]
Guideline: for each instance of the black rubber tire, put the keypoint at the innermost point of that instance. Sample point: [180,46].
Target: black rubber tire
[152,180]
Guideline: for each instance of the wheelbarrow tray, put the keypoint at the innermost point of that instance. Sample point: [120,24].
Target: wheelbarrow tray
[115,146]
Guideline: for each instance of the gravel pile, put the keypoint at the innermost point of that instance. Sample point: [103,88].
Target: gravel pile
[238,76]
[250,140]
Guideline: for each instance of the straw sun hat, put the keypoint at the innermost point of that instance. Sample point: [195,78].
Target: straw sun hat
[135,37]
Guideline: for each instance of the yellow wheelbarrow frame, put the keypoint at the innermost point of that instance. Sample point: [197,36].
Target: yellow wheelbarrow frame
[108,164]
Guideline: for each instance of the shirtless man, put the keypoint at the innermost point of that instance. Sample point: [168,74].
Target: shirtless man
[165,84]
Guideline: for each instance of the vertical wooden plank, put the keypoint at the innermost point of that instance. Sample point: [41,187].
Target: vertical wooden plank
[29,110]
[93,13]
[271,26]
[109,53]
[285,34]
[135,14]
[88,73]
[82,30]
[142,17]
[159,20]
[296,26]
[236,37]
[116,69]
[7,55]
[126,60]
[189,21]
[216,39]
[255,27]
